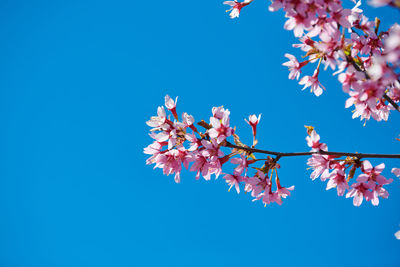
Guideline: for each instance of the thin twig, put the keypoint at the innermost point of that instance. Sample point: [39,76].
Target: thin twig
[295,154]
[397,107]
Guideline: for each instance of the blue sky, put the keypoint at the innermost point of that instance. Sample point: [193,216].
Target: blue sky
[78,81]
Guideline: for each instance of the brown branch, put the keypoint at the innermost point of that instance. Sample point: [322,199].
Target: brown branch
[385,96]
[295,154]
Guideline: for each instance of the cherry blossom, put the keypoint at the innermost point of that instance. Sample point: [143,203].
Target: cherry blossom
[233,180]
[361,52]
[171,162]
[397,235]
[256,184]
[253,122]
[282,192]
[178,144]
[358,192]
[366,59]
[369,183]
[159,120]
[396,171]
[338,179]
[379,3]
[355,52]
[373,174]
[320,164]
[313,83]
[350,78]
[171,105]
[243,164]
[220,125]
[294,66]
[377,192]
[236,7]
[313,142]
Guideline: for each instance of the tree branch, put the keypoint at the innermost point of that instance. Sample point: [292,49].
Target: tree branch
[385,96]
[295,154]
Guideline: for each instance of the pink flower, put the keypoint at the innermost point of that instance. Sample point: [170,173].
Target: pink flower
[372,44]
[195,143]
[358,192]
[341,17]
[282,192]
[373,175]
[214,155]
[243,165]
[211,149]
[366,25]
[367,168]
[297,22]
[161,136]
[188,121]
[233,180]
[392,45]
[349,78]
[206,166]
[320,164]
[207,158]
[220,125]
[338,179]
[154,150]
[171,162]
[173,133]
[220,112]
[294,66]
[201,165]
[262,189]
[276,5]
[268,196]
[365,99]
[253,121]
[370,179]
[171,105]
[236,7]
[377,192]
[397,235]
[396,171]
[159,120]
[393,41]
[313,82]
[313,142]
[356,12]
[256,184]
[306,45]
[378,3]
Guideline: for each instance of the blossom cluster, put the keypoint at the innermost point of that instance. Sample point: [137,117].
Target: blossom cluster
[179,143]
[339,173]
[346,41]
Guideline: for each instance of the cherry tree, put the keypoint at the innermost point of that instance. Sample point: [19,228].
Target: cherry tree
[366,60]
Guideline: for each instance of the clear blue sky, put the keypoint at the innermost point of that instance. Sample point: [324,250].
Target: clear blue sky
[78,80]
